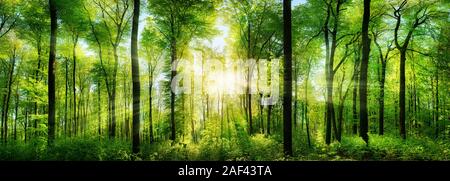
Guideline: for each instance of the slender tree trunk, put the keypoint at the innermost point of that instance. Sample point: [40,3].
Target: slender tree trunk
[135,77]
[65,97]
[51,72]
[436,118]
[191,107]
[99,102]
[25,126]
[17,111]
[364,119]
[126,115]
[341,108]
[7,97]
[355,94]
[150,87]
[269,113]
[329,97]
[287,95]
[295,95]
[39,52]
[249,74]
[112,131]
[74,92]
[172,94]
[402,94]
[306,103]
[381,98]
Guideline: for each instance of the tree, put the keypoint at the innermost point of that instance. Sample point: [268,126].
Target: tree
[13,50]
[383,58]
[331,30]
[135,76]
[51,71]
[363,116]
[180,21]
[8,16]
[287,77]
[421,15]
[34,27]
[115,20]
[153,48]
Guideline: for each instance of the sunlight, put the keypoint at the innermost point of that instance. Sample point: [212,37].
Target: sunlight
[218,43]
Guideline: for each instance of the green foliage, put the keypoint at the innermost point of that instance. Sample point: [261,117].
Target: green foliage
[386,148]
[212,126]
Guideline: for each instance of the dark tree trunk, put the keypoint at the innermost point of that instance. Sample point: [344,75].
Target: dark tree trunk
[436,118]
[364,119]
[172,94]
[99,101]
[51,72]
[402,49]
[112,131]
[17,111]
[355,95]
[382,79]
[402,94]
[354,110]
[75,117]
[126,114]
[287,95]
[191,107]
[150,114]
[65,97]
[306,103]
[269,113]
[249,74]
[25,125]
[329,96]
[381,98]
[7,96]
[135,76]
[295,96]
[37,79]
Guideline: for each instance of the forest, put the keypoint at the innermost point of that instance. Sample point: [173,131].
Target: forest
[225,80]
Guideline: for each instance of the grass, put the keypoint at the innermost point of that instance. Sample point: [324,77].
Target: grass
[255,148]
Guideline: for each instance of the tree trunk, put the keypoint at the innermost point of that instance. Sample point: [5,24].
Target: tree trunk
[402,94]
[355,94]
[51,72]
[25,126]
[306,103]
[65,97]
[329,97]
[249,74]
[112,131]
[364,119]
[295,96]
[340,109]
[99,109]
[7,96]
[16,111]
[436,118]
[39,52]
[135,77]
[172,94]
[191,107]
[269,113]
[381,98]
[150,87]
[75,117]
[126,115]
[287,95]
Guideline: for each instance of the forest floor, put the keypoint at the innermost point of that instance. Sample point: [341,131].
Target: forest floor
[257,147]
